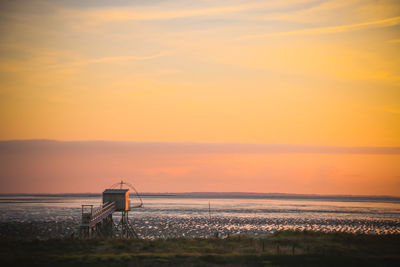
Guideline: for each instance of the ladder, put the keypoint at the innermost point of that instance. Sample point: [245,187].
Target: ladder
[98,221]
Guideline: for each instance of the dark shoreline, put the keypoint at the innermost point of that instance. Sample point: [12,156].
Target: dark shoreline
[285,248]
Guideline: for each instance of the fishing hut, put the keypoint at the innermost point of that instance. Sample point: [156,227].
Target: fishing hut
[119,196]
[99,222]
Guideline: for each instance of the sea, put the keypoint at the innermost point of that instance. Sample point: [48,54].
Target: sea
[205,214]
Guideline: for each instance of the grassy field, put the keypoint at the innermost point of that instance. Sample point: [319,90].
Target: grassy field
[280,249]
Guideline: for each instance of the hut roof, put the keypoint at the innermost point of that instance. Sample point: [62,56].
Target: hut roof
[115,191]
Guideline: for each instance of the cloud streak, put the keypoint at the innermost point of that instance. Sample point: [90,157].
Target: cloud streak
[46,166]
[186,148]
[159,13]
[333,29]
[107,60]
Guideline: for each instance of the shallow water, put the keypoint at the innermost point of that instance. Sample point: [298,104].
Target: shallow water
[190,216]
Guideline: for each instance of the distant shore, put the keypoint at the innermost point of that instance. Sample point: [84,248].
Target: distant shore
[212,195]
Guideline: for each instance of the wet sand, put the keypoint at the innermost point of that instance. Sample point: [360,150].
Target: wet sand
[43,217]
[201,227]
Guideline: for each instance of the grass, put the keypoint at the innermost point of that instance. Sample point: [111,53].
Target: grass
[285,248]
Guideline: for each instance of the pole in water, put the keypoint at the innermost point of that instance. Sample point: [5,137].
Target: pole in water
[209,209]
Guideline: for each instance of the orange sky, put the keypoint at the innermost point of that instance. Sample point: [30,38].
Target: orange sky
[59,167]
[309,72]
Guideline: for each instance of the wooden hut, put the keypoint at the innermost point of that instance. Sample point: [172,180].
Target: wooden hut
[119,196]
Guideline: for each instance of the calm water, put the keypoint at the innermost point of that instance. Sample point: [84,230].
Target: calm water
[171,216]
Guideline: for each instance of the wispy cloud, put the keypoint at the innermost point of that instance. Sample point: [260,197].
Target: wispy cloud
[115,59]
[193,148]
[120,59]
[103,60]
[391,110]
[55,167]
[51,62]
[129,14]
[333,29]
[100,15]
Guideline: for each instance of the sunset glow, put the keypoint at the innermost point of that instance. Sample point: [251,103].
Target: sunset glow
[300,72]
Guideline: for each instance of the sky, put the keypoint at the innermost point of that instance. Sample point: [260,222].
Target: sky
[300,72]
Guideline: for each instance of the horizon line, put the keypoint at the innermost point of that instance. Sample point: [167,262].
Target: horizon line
[226,193]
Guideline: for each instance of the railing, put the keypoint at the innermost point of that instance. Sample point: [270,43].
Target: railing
[99,214]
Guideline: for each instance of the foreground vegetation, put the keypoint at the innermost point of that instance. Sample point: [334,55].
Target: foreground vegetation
[281,249]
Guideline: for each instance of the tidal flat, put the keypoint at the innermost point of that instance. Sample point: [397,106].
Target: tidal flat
[283,248]
[200,216]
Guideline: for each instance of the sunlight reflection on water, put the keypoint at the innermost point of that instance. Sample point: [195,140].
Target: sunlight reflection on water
[174,217]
